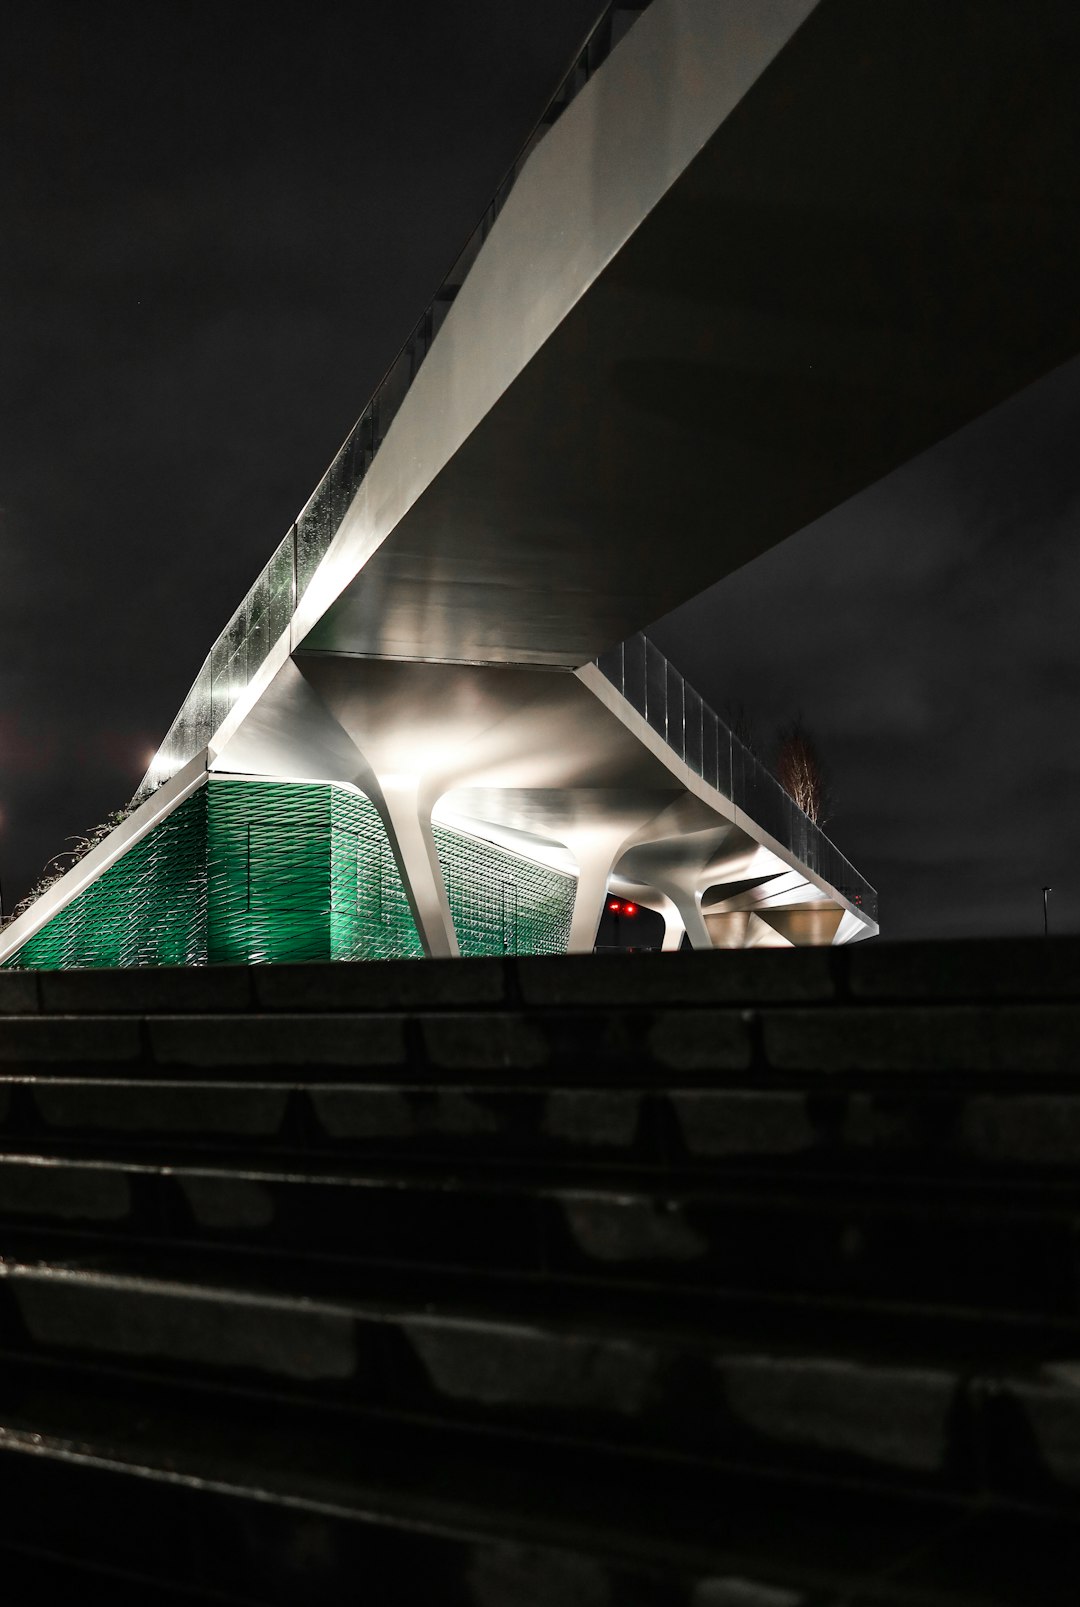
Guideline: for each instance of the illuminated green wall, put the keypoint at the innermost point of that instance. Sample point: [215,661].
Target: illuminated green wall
[147,909]
[370,918]
[242,871]
[302,871]
[268,879]
[259,871]
[501,903]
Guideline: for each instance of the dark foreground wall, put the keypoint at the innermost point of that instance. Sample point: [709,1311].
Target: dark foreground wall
[717,1280]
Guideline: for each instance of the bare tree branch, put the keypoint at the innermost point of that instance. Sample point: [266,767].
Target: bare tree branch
[799,770]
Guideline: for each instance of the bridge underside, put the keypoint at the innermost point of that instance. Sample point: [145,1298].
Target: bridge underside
[551,769]
[879,243]
[766,255]
[374,810]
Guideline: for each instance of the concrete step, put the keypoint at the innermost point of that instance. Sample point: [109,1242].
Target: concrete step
[996,969]
[865,1046]
[904,1132]
[711,1281]
[940,1243]
[303,1506]
[952,1411]
[889,1328]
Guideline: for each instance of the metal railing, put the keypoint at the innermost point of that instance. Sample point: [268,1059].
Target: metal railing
[652,685]
[265,612]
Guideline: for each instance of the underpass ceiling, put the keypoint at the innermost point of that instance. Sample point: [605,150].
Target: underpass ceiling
[879,243]
[502,728]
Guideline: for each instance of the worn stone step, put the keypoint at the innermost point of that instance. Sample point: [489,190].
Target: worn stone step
[304,1507]
[500,1121]
[710,1280]
[938,1243]
[889,1329]
[559,982]
[844,1045]
[994,969]
[916,1132]
[980,1420]
[165,990]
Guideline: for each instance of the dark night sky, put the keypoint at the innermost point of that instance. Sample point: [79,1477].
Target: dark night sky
[218,223]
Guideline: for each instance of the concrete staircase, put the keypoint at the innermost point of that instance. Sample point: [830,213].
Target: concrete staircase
[710,1280]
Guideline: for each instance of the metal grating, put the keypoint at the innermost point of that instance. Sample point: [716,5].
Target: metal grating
[501,903]
[149,908]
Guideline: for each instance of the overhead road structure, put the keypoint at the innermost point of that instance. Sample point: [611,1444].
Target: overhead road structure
[439,809]
[753,258]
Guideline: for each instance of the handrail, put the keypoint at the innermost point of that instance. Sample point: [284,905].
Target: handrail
[264,614]
[659,692]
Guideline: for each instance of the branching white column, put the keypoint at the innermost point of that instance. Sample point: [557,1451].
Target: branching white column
[596,853]
[686,902]
[674,926]
[407,818]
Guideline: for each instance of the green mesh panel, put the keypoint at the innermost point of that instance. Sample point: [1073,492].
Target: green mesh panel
[302,871]
[268,870]
[503,904]
[149,908]
[242,871]
[370,918]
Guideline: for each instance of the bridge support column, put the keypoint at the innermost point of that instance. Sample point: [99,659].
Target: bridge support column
[588,904]
[692,921]
[596,853]
[673,924]
[408,825]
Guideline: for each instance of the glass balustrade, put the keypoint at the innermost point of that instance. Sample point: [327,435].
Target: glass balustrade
[652,685]
[265,612]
